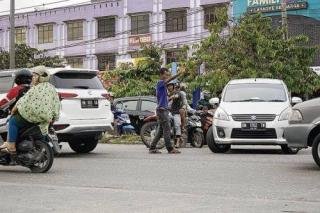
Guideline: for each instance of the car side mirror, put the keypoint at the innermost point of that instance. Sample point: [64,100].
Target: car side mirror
[296,100]
[214,101]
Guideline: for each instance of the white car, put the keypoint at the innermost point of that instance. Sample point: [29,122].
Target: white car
[85,110]
[251,112]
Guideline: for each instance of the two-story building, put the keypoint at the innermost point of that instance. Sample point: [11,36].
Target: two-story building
[100,34]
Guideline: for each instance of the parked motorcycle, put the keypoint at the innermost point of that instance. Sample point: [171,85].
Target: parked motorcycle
[206,121]
[194,130]
[123,122]
[33,151]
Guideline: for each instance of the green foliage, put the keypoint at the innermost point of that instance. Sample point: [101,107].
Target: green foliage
[138,79]
[254,49]
[28,57]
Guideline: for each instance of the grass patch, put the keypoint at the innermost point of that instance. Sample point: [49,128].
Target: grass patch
[124,139]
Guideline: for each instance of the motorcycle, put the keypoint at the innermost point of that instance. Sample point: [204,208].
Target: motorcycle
[123,122]
[150,128]
[33,151]
[195,133]
[194,130]
[206,121]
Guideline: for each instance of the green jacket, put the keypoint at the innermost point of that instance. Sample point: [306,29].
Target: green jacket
[41,105]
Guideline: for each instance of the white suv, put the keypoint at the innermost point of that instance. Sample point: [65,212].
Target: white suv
[251,112]
[85,111]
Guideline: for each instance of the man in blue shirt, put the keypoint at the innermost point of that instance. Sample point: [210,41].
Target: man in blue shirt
[163,113]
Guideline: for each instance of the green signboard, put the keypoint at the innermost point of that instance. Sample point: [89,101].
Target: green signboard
[265,6]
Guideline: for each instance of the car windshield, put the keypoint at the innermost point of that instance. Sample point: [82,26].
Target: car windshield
[76,80]
[256,92]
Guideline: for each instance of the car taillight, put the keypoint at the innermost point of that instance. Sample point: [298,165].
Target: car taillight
[106,95]
[60,126]
[65,95]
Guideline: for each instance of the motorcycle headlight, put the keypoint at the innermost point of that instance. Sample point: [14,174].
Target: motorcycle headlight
[284,115]
[295,116]
[220,114]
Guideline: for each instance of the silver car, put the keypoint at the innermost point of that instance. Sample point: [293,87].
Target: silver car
[304,127]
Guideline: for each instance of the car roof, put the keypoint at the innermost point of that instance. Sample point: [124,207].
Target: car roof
[7,72]
[256,81]
[53,71]
[152,98]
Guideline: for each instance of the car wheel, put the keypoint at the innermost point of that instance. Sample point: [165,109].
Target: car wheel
[148,132]
[83,145]
[288,150]
[216,148]
[316,150]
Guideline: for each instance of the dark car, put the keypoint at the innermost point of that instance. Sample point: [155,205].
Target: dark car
[138,108]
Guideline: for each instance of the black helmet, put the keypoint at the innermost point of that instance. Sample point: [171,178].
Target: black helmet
[23,76]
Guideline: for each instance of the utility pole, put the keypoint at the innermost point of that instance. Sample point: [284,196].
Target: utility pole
[284,21]
[12,34]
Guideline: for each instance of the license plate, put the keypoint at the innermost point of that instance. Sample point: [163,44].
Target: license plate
[87,104]
[253,126]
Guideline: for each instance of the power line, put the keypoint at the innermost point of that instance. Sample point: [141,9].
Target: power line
[120,33]
[39,5]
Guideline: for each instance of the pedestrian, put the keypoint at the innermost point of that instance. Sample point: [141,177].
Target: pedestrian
[163,113]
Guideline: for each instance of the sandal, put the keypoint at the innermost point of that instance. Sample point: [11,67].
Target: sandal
[154,151]
[174,151]
[8,148]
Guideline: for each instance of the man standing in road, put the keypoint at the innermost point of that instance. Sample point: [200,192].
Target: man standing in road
[163,114]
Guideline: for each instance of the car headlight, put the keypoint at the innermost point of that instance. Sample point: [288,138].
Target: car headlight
[295,115]
[284,115]
[220,114]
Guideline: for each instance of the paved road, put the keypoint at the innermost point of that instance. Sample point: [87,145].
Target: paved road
[122,178]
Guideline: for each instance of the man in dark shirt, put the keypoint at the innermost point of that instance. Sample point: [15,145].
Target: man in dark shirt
[177,105]
[163,114]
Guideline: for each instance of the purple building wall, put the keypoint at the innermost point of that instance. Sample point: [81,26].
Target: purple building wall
[119,45]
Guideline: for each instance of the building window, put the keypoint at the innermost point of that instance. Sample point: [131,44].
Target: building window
[211,15]
[136,54]
[75,62]
[20,35]
[176,21]
[106,27]
[45,33]
[106,62]
[139,24]
[75,30]
[175,56]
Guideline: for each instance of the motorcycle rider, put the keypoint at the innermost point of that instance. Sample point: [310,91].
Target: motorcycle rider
[40,105]
[22,79]
[176,106]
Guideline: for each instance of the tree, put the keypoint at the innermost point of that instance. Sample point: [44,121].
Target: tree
[138,79]
[253,48]
[28,57]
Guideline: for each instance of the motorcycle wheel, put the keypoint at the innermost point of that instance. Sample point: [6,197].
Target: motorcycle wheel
[45,162]
[147,133]
[197,139]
